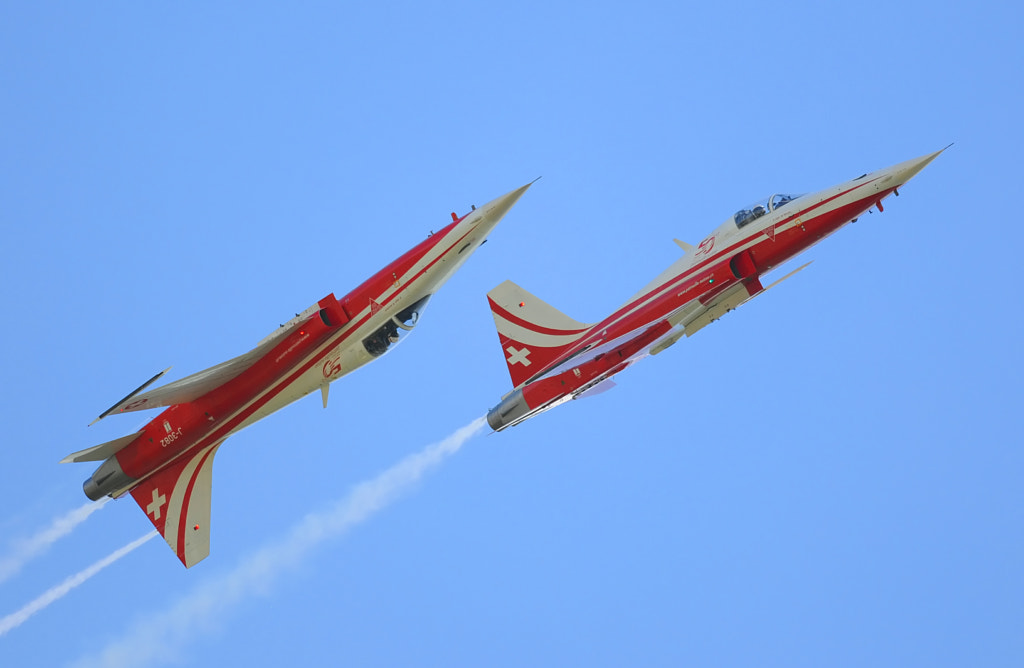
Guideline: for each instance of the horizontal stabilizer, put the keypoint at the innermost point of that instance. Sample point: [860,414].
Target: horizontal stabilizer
[102,452]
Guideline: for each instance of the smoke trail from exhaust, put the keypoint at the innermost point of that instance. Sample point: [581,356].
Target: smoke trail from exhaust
[159,637]
[16,619]
[27,549]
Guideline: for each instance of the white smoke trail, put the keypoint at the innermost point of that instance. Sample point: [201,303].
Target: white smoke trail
[16,619]
[158,638]
[26,549]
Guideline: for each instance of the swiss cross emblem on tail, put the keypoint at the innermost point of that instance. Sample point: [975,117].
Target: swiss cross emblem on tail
[519,356]
[177,501]
[158,502]
[532,333]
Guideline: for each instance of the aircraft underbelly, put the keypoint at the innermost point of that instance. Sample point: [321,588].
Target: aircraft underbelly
[338,363]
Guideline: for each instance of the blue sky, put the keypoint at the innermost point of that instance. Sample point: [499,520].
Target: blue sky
[832,475]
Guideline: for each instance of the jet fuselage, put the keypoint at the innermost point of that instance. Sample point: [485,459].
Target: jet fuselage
[553,358]
[166,465]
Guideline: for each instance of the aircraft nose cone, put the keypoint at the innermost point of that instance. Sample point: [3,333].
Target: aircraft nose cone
[496,209]
[905,171]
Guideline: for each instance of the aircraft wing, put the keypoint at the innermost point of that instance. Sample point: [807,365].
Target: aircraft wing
[189,388]
[192,387]
[177,502]
[698,313]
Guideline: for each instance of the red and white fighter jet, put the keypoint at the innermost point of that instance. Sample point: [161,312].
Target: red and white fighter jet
[553,358]
[167,464]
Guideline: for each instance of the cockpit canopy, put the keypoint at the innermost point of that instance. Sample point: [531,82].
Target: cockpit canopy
[394,329]
[751,213]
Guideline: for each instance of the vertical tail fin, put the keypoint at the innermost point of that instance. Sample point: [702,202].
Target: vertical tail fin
[177,501]
[532,332]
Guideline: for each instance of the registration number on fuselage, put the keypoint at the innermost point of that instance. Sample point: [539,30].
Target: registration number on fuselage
[171,437]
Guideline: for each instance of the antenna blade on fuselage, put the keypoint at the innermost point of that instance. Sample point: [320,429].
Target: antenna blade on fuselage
[687,248]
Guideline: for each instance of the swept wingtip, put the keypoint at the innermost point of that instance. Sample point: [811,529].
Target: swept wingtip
[130,395]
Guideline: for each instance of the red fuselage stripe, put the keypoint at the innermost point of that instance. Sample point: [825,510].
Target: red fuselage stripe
[716,257]
[640,304]
[224,430]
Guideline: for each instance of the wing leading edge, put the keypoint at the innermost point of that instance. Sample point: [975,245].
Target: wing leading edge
[192,387]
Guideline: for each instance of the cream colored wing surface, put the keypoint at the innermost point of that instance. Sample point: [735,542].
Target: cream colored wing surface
[192,387]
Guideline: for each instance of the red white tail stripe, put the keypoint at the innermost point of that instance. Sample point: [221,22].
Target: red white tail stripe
[529,336]
[177,502]
[532,333]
